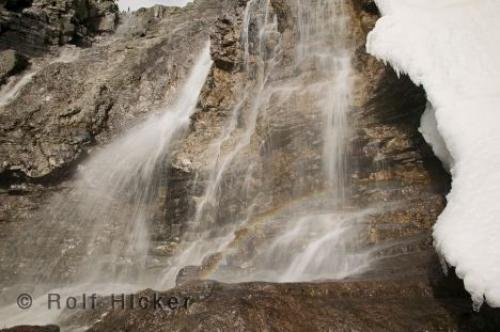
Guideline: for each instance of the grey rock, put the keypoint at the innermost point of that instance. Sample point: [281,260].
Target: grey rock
[33,26]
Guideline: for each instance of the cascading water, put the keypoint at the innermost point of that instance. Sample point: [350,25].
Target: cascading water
[333,251]
[96,236]
[323,42]
[127,172]
[258,66]
[264,64]
[313,236]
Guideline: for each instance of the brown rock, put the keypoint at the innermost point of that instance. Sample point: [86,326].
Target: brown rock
[386,305]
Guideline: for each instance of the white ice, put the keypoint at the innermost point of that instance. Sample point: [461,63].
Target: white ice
[452,48]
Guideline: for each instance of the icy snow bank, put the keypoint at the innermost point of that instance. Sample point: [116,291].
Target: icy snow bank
[452,48]
[429,129]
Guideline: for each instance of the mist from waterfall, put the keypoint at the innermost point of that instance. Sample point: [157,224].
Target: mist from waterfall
[96,236]
[118,189]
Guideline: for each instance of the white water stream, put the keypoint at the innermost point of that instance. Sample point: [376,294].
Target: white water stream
[104,218]
[313,243]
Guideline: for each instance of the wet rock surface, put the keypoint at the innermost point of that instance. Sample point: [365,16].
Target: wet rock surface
[376,305]
[391,169]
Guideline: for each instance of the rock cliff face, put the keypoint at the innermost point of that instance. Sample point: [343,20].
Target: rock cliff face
[74,100]
[75,105]
[32,26]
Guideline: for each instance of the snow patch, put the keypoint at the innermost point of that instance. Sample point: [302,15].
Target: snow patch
[429,129]
[452,48]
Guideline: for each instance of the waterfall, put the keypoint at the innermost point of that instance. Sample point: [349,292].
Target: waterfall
[317,237]
[282,155]
[119,187]
[323,27]
[253,97]
[103,219]
[259,63]
[333,251]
